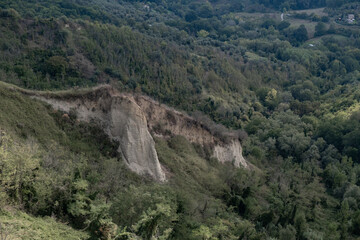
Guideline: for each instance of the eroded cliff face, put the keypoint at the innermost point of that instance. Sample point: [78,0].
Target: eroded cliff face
[122,119]
[230,152]
[129,120]
[164,121]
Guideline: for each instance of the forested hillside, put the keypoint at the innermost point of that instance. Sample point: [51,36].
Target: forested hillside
[285,72]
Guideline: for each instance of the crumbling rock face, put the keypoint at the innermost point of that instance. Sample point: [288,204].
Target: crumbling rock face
[129,121]
[231,152]
[162,120]
[123,120]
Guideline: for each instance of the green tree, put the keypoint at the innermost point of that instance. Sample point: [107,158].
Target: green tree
[344,219]
[203,33]
[356,223]
[301,34]
[271,99]
[56,65]
[300,224]
[148,226]
[293,142]
[80,202]
[18,165]
[320,29]
[288,233]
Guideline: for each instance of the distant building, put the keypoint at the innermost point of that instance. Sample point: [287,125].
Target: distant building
[351,18]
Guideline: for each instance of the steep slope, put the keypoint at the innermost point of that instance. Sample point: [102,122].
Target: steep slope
[163,121]
[130,120]
[122,119]
[18,225]
[68,173]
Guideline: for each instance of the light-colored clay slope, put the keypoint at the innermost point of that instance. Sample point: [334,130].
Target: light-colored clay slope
[130,120]
[177,123]
[122,119]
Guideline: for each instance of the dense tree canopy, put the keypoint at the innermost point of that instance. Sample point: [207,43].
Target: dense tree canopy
[288,89]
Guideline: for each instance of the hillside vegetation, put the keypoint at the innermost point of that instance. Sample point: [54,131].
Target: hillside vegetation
[292,85]
[18,225]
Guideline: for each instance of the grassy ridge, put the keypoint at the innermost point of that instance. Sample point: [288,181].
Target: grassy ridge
[26,117]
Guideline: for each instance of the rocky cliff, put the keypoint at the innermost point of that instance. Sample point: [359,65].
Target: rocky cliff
[129,120]
[164,121]
[122,119]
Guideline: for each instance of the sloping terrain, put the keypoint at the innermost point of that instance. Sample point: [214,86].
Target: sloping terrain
[16,225]
[75,166]
[292,101]
[130,122]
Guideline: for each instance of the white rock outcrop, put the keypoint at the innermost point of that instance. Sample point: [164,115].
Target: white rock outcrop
[231,152]
[123,120]
[129,120]
[177,123]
